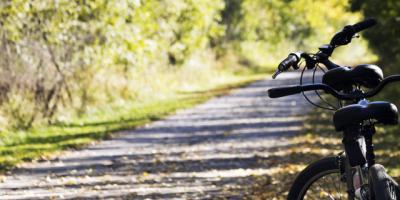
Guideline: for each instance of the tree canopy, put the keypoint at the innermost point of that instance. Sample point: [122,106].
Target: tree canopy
[385,38]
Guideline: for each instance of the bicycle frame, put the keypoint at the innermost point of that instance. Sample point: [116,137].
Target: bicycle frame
[359,156]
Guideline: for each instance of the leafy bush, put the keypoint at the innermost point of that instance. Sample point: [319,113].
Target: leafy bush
[384,38]
[61,58]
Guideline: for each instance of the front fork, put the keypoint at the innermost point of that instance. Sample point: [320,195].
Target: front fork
[360,183]
[356,178]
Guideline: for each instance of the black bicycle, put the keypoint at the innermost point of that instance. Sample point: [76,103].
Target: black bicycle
[353,174]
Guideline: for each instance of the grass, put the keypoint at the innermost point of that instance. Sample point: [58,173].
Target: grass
[41,142]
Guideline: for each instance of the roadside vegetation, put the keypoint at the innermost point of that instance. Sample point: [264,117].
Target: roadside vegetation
[71,72]
[38,143]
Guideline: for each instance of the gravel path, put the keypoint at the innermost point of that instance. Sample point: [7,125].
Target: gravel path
[207,152]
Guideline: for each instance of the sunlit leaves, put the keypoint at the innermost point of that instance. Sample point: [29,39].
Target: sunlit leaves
[263,28]
[80,53]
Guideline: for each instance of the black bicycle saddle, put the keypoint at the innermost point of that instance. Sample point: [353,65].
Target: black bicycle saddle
[379,111]
[344,77]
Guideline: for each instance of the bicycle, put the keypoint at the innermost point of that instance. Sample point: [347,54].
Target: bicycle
[353,173]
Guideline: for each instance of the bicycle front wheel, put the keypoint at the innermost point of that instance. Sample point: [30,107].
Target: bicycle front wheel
[383,186]
[320,180]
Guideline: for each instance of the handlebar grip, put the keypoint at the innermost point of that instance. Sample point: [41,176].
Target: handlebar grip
[290,90]
[364,24]
[284,91]
[291,60]
[344,37]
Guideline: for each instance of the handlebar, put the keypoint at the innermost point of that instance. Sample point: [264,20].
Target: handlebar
[290,90]
[344,37]
[341,38]
[364,24]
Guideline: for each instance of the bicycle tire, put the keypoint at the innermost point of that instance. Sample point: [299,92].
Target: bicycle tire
[383,186]
[311,174]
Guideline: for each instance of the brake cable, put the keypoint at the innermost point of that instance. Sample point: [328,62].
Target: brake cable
[316,91]
[339,101]
[307,98]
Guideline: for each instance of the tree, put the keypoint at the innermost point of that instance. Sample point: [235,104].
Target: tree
[384,38]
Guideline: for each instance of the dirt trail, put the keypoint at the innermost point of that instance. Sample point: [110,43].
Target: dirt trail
[210,151]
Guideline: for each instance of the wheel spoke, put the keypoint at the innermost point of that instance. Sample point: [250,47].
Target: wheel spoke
[328,186]
[340,188]
[335,185]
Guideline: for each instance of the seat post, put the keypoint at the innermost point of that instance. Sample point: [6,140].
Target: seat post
[368,131]
[354,145]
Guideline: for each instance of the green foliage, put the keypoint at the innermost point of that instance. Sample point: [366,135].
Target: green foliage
[62,59]
[264,31]
[384,38]
[70,55]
